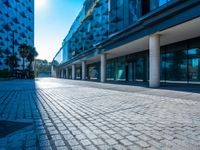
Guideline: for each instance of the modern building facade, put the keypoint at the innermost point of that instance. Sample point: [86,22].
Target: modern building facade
[16,27]
[152,41]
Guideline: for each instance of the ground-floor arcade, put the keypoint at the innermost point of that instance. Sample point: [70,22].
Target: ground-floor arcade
[169,56]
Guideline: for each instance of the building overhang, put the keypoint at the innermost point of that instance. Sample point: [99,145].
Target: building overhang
[171,15]
[175,22]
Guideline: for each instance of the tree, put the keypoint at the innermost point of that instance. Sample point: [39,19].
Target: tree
[24,51]
[1,55]
[31,57]
[11,61]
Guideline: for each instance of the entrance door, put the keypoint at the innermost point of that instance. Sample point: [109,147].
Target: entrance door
[141,70]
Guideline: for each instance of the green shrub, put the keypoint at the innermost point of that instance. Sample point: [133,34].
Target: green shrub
[31,75]
[5,74]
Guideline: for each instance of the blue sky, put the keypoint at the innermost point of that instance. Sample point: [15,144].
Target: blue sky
[53,18]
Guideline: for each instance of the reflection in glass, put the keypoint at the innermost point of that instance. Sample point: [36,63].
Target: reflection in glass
[162,66]
[110,70]
[130,72]
[141,65]
[93,72]
[133,8]
[120,69]
[176,66]
[194,65]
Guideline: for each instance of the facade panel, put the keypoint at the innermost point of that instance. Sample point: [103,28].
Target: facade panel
[122,30]
[16,27]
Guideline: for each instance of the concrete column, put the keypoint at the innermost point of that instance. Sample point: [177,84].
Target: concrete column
[61,73]
[73,72]
[103,67]
[53,72]
[67,73]
[154,61]
[83,70]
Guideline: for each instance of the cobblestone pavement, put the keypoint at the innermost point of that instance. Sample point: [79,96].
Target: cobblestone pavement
[73,115]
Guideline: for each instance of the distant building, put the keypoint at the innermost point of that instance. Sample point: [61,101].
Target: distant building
[152,41]
[16,27]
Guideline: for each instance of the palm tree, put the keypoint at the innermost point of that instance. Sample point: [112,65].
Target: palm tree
[1,55]
[24,51]
[11,61]
[31,57]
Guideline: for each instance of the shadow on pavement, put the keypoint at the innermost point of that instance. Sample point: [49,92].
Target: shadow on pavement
[8,127]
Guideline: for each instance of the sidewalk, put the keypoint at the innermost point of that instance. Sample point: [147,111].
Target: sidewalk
[64,114]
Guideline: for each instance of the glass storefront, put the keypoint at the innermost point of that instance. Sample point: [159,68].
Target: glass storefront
[78,73]
[121,69]
[194,61]
[176,60]
[128,68]
[180,63]
[70,73]
[141,67]
[194,65]
[93,71]
[110,70]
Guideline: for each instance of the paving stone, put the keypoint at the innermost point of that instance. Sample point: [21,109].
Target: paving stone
[126,142]
[111,141]
[91,147]
[59,143]
[132,138]
[85,142]
[142,144]
[62,148]
[73,142]
[98,142]
[77,147]
[104,117]
[134,147]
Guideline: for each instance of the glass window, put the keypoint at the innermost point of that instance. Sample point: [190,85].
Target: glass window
[70,73]
[130,72]
[110,70]
[141,67]
[133,9]
[181,65]
[88,26]
[154,4]
[116,16]
[194,65]
[78,73]
[120,69]
[157,3]
[93,72]
[162,66]
[149,5]
[176,65]
[162,2]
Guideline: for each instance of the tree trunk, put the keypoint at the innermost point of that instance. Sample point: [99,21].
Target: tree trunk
[31,66]
[23,65]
